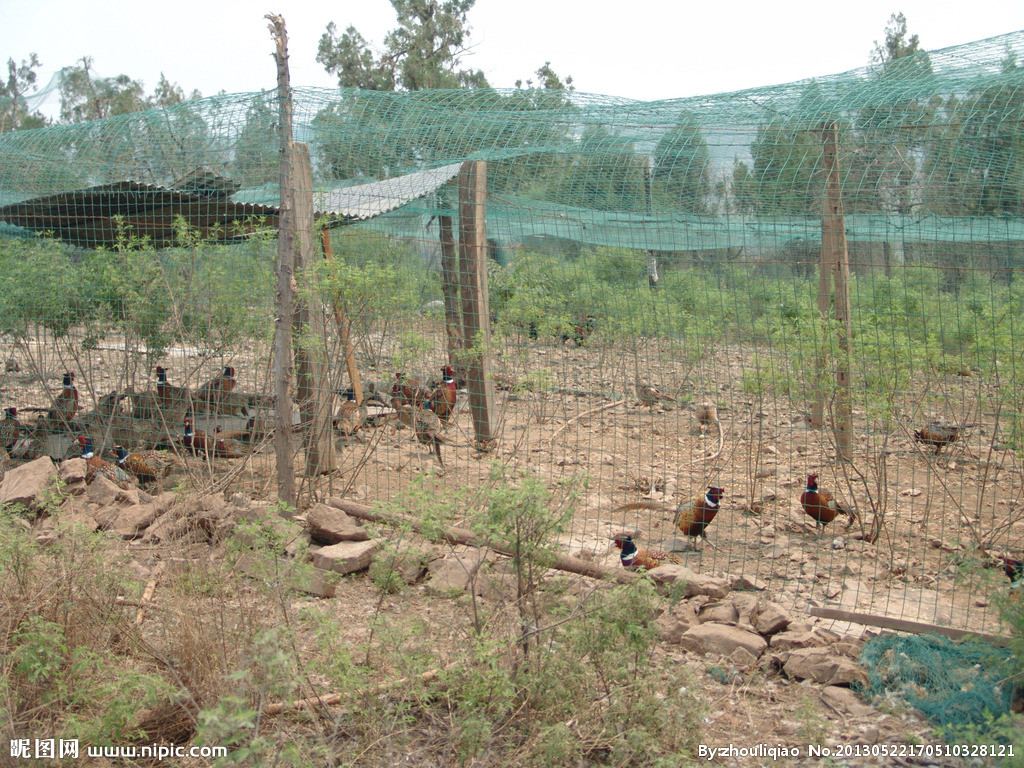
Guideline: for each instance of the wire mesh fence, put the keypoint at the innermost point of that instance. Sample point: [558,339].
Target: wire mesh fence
[654,320]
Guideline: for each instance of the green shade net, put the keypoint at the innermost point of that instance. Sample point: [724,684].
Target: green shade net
[953,684]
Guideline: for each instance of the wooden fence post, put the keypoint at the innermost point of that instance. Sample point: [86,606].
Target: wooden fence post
[475,305]
[835,269]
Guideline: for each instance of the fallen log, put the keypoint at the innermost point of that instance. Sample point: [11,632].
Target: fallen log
[467,538]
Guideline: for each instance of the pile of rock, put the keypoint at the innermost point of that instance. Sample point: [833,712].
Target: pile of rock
[732,618]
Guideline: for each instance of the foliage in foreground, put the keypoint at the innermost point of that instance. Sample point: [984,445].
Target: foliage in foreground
[548,675]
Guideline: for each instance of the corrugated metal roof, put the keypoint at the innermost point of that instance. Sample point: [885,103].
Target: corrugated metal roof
[364,201]
[100,215]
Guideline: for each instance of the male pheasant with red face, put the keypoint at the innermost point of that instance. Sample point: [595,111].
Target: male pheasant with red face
[691,517]
[633,558]
[95,465]
[65,405]
[821,506]
[445,396]
[147,466]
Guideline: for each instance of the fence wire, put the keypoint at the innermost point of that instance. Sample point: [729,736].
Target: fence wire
[654,310]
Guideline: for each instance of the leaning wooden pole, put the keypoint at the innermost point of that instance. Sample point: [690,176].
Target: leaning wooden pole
[311,386]
[836,255]
[285,299]
[450,291]
[344,326]
[475,305]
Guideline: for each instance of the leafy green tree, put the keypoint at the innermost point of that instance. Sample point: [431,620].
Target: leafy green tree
[84,97]
[891,129]
[604,173]
[14,111]
[424,51]
[256,151]
[681,166]
[975,154]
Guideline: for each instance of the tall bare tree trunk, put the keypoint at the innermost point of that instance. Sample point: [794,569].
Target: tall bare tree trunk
[285,299]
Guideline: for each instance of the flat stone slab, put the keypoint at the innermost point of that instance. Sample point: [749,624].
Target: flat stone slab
[346,556]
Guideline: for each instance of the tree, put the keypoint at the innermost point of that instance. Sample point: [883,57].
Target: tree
[681,162]
[892,127]
[423,52]
[14,112]
[84,97]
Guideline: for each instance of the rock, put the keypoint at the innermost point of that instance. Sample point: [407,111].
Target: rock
[102,491]
[696,583]
[722,640]
[72,514]
[346,556]
[771,618]
[408,559]
[741,657]
[747,605]
[724,613]
[674,623]
[328,525]
[312,580]
[72,471]
[27,483]
[823,666]
[497,582]
[131,522]
[268,531]
[794,639]
[453,574]
[165,526]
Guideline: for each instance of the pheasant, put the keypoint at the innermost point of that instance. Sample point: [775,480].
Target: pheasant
[581,330]
[428,428]
[445,396]
[691,517]
[147,466]
[1014,570]
[170,396]
[227,446]
[95,465]
[65,405]
[213,395]
[409,391]
[633,558]
[822,506]
[10,429]
[351,416]
[651,396]
[201,445]
[940,435]
[694,516]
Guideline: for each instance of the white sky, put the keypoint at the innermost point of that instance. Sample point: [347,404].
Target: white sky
[643,49]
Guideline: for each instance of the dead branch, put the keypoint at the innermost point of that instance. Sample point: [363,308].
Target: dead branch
[467,538]
[574,419]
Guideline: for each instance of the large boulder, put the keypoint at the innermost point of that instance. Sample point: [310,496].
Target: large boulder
[722,640]
[27,483]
